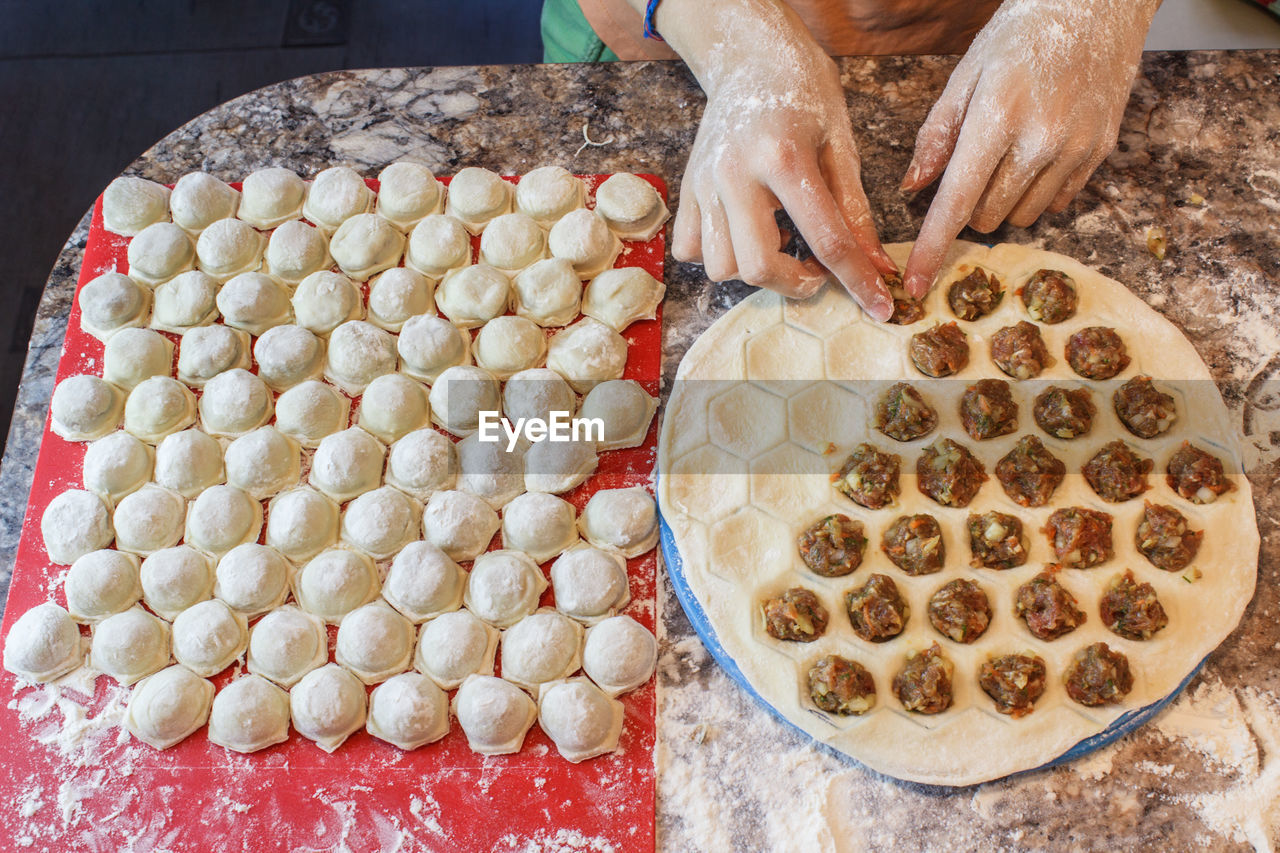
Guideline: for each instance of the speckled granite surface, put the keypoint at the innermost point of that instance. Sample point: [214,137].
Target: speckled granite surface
[1207,772]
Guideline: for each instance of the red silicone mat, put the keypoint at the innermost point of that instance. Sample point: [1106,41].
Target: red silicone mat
[70,781]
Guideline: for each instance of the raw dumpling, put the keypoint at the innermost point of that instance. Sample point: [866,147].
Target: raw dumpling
[286,644]
[160,252]
[309,412]
[221,518]
[423,582]
[428,345]
[437,245]
[116,465]
[558,466]
[579,718]
[473,295]
[85,407]
[199,199]
[337,194]
[189,462]
[460,394]
[327,706]
[249,714]
[295,251]
[511,242]
[494,714]
[149,520]
[252,579]
[335,582]
[476,196]
[168,706]
[624,409]
[288,355]
[324,301]
[587,353]
[407,192]
[208,636]
[583,239]
[234,403]
[100,584]
[44,644]
[381,522]
[229,247]
[347,464]
[543,646]
[131,204]
[548,193]
[504,587]
[619,654]
[175,579]
[507,345]
[365,245]
[158,407]
[374,642]
[110,302]
[271,197]
[631,206]
[263,462]
[549,293]
[132,355]
[359,352]
[398,294]
[77,522]
[206,351]
[185,301]
[589,583]
[453,646]
[130,645]
[301,523]
[408,710]
[422,463]
[459,524]
[393,406]
[622,520]
[535,394]
[540,524]
[253,302]
[489,471]
[620,297]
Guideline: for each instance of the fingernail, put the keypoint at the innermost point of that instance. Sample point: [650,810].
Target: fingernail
[880,307]
[917,285]
[913,175]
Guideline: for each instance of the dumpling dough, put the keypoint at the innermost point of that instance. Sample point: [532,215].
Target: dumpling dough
[476,196]
[199,199]
[537,393]
[460,394]
[408,710]
[149,520]
[549,293]
[365,245]
[374,642]
[579,718]
[254,303]
[423,582]
[543,646]
[587,353]
[621,520]
[189,462]
[252,579]
[398,294]
[590,584]
[625,410]
[494,714]
[504,587]
[85,407]
[158,407]
[507,345]
[619,654]
[301,523]
[77,522]
[327,706]
[175,579]
[208,636]
[229,247]
[132,355]
[336,582]
[309,412]
[453,646]
[286,644]
[540,524]
[271,197]
[489,471]
[130,645]
[381,522]
[234,403]
[337,194]
[422,463]
[347,464]
[631,206]
[263,462]
[558,466]
[359,352]
[100,584]
[428,345]
[393,406]
[221,518]
[206,351]
[185,301]
[437,245]
[511,242]
[249,714]
[583,239]
[620,297]
[324,301]
[548,193]
[116,465]
[295,251]
[473,295]
[131,204]
[458,523]
[288,355]
[44,644]
[407,192]
[160,252]
[110,302]
[168,706]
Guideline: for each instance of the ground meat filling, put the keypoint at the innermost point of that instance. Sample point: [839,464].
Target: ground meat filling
[833,546]
[1047,607]
[914,544]
[1165,538]
[1014,682]
[1145,411]
[1196,475]
[974,296]
[988,410]
[906,311]
[877,611]
[1064,412]
[840,686]
[1096,353]
[923,684]
[996,541]
[1029,473]
[868,477]
[1081,537]
[940,351]
[1049,296]
[1131,609]
[903,414]
[960,610]
[949,473]
[1117,473]
[1020,351]
[796,615]
[1099,675]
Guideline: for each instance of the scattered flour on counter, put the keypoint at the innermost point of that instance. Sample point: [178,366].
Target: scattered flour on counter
[559,841]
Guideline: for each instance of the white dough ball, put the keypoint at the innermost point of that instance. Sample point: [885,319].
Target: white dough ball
[174,579]
[453,646]
[325,300]
[116,465]
[337,194]
[397,295]
[422,463]
[229,247]
[199,199]
[365,245]
[234,403]
[548,193]
[423,582]
[185,301]
[507,345]
[494,714]
[85,407]
[295,251]
[619,654]
[437,245]
[110,302]
[159,252]
[206,351]
[428,345]
[511,242]
[311,410]
[583,239]
[43,644]
[347,464]
[100,584]
[459,524]
[473,295]
[301,523]
[407,192]
[287,356]
[75,523]
[476,196]
[549,292]
[130,204]
[189,462]
[166,707]
[254,303]
[359,352]
[271,197]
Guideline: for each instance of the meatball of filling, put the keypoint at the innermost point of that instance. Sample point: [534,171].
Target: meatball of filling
[868,477]
[903,414]
[923,684]
[1049,296]
[877,610]
[1096,353]
[1029,473]
[1196,475]
[1099,675]
[940,351]
[1145,411]
[905,309]
[840,686]
[1014,682]
[1117,473]
[1131,609]
[987,409]
[960,610]
[949,473]
[1064,412]
[996,541]
[795,615]
[976,295]
[1020,351]
[914,544]
[1047,607]
[1081,537]
[1165,538]
[833,546]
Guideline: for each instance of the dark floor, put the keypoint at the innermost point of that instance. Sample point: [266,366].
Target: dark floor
[88,85]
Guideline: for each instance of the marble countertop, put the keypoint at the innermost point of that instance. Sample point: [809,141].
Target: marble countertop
[1201,125]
